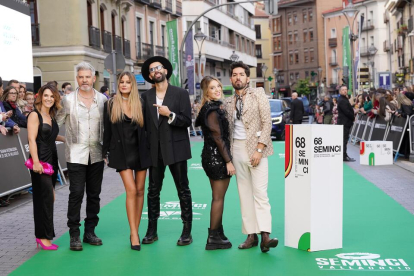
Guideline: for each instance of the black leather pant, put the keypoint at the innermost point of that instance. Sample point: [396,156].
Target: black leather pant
[347,130]
[156,177]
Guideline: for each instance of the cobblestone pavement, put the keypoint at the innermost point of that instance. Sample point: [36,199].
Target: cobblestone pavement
[17,242]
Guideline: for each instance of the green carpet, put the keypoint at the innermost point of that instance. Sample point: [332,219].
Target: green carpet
[373,223]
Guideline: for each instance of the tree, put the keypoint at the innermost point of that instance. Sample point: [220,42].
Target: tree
[303,87]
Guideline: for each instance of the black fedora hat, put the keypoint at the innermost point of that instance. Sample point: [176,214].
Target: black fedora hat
[145,67]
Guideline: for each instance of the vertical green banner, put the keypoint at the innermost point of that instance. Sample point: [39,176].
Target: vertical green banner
[173,52]
[346,56]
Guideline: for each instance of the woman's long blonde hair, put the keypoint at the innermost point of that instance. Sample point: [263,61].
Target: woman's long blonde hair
[205,82]
[402,99]
[134,102]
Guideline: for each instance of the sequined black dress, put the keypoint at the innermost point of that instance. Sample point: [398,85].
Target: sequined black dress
[216,150]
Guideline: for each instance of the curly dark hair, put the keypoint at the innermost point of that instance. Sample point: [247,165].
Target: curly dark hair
[240,64]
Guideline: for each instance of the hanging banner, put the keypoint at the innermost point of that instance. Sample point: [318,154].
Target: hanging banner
[189,62]
[173,52]
[346,57]
[358,54]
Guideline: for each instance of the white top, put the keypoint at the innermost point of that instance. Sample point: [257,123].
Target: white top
[159,102]
[239,130]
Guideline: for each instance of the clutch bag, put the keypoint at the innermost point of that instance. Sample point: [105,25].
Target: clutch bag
[47,168]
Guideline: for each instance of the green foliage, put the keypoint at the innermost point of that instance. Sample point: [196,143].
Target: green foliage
[302,87]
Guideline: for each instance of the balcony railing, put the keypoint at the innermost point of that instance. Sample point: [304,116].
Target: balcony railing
[147,50]
[387,46]
[156,3]
[333,61]
[333,82]
[227,44]
[168,6]
[333,42]
[365,52]
[117,43]
[139,51]
[212,39]
[107,41]
[179,8]
[410,24]
[160,51]
[94,37]
[148,2]
[368,26]
[127,48]
[35,35]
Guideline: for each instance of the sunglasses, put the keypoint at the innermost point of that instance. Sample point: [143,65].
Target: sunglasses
[156,68]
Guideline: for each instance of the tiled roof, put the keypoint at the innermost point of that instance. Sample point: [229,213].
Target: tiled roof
[260,13]
[333,10]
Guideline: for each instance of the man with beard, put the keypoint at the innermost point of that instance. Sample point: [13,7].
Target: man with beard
[346,118]
[82,114]
[167,114]
[250,125]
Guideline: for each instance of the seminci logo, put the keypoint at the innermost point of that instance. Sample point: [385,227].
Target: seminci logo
[171,210]
[362,261]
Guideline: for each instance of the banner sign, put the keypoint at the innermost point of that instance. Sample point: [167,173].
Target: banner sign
[173,52]
[396,132]
[411,122]
[379,130]
[362,124]
[189,62]
[15,175]
[313,185]
[375,153]
[346,60]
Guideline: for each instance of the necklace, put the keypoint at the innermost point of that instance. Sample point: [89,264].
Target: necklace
[46,115]
[125,99]
[160,97]
[85,97]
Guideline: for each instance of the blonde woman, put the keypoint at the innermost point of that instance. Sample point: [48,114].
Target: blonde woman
[215,157]
[125,148]
[405,106]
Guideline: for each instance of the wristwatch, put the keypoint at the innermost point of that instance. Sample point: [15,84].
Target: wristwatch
[171,115]
[259,150]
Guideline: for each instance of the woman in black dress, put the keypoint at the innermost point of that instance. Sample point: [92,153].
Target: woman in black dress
[42,133]
[215,157]
[125,148]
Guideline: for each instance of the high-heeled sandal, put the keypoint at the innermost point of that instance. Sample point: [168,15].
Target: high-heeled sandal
[44,247]
[135,247]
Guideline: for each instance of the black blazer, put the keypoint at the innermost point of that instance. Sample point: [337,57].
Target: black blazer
[173,138]
[296,110]
[113,144]
[346,114]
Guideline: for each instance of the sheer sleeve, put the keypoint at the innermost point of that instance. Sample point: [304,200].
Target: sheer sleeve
[214,125]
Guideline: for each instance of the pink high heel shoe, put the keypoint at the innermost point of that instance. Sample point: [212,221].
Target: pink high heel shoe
[44,247]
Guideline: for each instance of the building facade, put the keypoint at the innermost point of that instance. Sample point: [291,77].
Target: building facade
[260,75]
[229,30]
[89,30]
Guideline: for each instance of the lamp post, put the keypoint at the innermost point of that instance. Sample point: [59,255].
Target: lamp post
[319,82]
[264,69]
[276,73]
[234,57]
[372,50]
[351,11]
[199,37]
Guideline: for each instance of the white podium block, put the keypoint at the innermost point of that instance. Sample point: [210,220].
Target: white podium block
[313,187]
[375,153]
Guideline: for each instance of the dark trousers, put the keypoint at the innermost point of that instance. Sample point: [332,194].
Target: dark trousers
[156,177]
[298,122]
[81,176]
[347,130]
[43,201]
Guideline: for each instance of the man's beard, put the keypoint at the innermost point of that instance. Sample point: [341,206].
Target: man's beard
[239,85]
[89,87]
[159,79]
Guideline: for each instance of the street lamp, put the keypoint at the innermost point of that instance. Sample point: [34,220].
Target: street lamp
[276,73]
[199,37]
[351,11]
[264,69]
[319,82]
[234,57]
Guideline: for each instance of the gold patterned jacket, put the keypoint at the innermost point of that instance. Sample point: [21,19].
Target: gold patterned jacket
[256,119]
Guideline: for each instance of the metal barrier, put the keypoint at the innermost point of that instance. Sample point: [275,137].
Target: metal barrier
[368,130]
[379,130]
[354,127]
[361,128]
[395,134]
[411,132]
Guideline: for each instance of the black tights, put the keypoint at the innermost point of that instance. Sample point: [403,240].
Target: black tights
[219,189]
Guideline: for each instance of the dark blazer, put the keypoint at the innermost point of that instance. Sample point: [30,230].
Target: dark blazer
[113,144]
[296,110]
[173,138]
[346,114]
[17,116]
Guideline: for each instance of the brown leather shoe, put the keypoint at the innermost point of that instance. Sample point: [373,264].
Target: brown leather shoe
[267,242]
[252,240]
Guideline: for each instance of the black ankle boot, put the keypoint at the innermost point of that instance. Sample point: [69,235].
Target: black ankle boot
[151,235]
[220,231]
[214,241]
[185,238]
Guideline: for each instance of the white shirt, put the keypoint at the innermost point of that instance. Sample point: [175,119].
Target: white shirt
[239,130]
[159,102]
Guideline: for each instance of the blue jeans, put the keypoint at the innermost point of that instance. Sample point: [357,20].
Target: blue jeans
[311,119]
